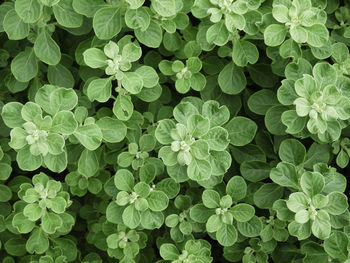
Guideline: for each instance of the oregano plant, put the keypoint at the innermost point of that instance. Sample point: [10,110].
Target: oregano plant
[183,131]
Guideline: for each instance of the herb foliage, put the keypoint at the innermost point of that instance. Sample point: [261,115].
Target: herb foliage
[183,131]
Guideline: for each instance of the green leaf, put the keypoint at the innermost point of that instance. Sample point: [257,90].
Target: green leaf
[168,156]
[297,201]
[95,58]
[237,188]
[26,161]
[168,251]
[123,107]
[31,111]
[251,228]
[324,74]
[11,114]
[293,121]
[321,226]
[131,52]
[183,111]
[100,90]
[157,200]
[60,76]
[113,130]
[135,3]
[273,121]
[147,142]
[339,52]
[88,163]
[336,245]
[301,231]
[214,223]
[15,247]
[165,8]
[132,82]
[63,99]
[162,132]
[342,159]
[114,213]
[302,217]
[38,242]
[32,212]
[337,203]
[150,94]
[42,97]
[220,162]
[49,3]
[22,224]
[28,11]
[231,79]
[285,174]
[283,213]
[280,13]
[197,125]
[124,180]
[50,222]
[200,8]
[242,212]
[274,35]
[152,219]
[137,18]
[149,76]
[299,34]
[260,101]
[131,217]
[317,35]
[64,122]
[107,22]
[46,49]
[244,52]
[58,204]
[55,143]
[90,136]
[312,183]
[65,14]
[267,194]
[227,235]
[217,138]
[241,130]
[14,26]
[56,163]
[67,246]
[292,151]
[25,66]
[169,186]
[199,170]
[217,115]
[200,213]
[5,193]
[151,37]
[211,198]
[255,171]
[183,85]
[87,7]
[217,34]
[290,49]
[5,171]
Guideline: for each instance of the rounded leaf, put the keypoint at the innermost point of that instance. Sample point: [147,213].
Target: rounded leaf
[157,200]
[113,130]
[241,130]
[124,180]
